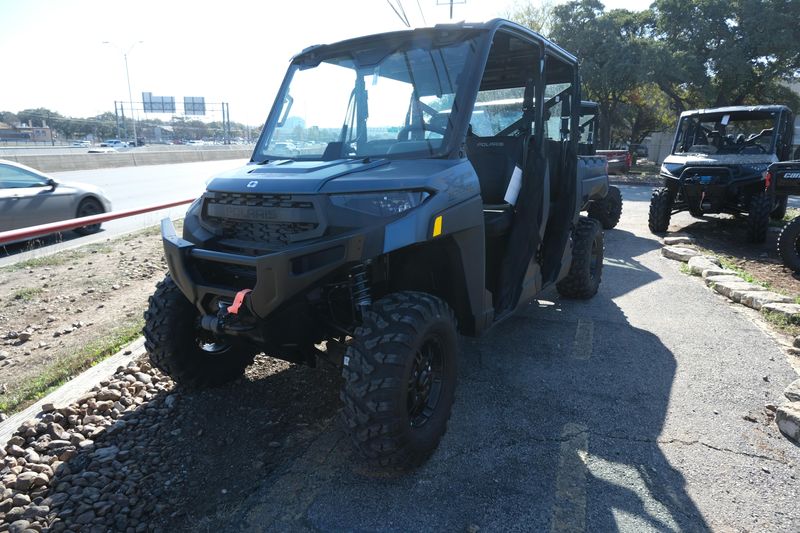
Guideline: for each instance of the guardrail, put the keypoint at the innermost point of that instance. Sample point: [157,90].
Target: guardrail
[65,225]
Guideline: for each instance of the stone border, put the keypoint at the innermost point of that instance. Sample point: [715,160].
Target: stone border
[728,283]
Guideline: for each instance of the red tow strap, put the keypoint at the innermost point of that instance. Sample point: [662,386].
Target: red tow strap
[238,301]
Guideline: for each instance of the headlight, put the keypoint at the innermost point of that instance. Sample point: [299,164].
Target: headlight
[380,204]
[670,168]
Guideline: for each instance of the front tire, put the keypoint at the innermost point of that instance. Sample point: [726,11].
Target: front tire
[181,349]
[788,242]
[758,217]
[660,210]
[586,269]
[781,203]
[608,210]
[88,207]
[400,379]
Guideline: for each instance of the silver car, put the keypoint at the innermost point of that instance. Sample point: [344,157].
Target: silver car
[29,198]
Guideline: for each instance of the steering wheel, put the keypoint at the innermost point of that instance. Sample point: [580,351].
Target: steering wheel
[433,125]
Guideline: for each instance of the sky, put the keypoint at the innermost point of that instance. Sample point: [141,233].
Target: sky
[234,51]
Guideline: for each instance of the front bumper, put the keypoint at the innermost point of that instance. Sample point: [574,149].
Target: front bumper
[277,276]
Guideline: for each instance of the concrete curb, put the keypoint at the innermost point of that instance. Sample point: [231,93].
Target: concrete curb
[73,389]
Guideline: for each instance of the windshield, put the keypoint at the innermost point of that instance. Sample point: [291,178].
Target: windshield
[350,106]
[727,133]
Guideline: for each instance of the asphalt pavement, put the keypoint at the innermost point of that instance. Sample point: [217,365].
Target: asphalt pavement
[622,413]
[128,188]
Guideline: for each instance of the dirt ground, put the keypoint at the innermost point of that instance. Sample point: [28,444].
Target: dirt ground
[58,310]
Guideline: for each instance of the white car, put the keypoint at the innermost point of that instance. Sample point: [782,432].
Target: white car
[81,144]
[114,143]
[29,198]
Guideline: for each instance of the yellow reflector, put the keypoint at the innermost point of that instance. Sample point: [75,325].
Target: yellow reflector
[437,226]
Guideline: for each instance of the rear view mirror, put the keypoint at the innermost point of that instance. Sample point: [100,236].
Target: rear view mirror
[52,183]
[287,106]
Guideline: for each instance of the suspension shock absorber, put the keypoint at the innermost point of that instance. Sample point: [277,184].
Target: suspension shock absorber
[359,288]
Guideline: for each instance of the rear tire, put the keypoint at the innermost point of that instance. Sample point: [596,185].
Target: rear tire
[400,379]
[781,204]
[758,217]
[660,210]
[88,207]
[181,349]
[586,269]
[608,210]
[788,242]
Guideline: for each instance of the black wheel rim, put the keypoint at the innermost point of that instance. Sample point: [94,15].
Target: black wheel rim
[425,382]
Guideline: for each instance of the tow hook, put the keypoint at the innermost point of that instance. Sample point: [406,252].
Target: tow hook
[227,319]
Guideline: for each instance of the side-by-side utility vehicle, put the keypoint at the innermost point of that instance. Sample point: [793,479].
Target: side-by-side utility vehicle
[593,171]
[718,165]
[431,191]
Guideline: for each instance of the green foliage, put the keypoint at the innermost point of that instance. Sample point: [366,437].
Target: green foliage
[643,68]
[725,52]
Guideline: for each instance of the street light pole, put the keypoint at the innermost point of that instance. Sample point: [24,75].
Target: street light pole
[128,77]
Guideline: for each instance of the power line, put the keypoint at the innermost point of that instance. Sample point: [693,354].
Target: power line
[425,22]
[396,12]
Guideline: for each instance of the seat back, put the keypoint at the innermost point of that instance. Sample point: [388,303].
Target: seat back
[494,159]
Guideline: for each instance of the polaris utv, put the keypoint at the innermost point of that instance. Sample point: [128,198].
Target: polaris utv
[593,172]
[418,205]
[718,164]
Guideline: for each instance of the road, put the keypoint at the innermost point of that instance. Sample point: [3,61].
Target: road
[622,413]
[128,188]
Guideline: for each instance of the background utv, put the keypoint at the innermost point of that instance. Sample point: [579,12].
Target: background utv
[718,165]
[420,205]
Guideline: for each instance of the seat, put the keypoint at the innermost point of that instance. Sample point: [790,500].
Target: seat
[494,160]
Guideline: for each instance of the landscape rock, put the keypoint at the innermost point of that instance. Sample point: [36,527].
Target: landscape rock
[757,299]
[679,253]
[793,391]
[717,271]
[788,419]
[700,263]
[790,311]
[678,239]
[18,526]
[710,280]
[726,288]
[737,294]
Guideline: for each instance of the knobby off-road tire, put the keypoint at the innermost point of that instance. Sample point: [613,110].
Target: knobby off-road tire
[586,269]
[660,210]
[400,378]
[608,210]
[788,242]
[758,217]
[88,207]
[781,203]
[183,351]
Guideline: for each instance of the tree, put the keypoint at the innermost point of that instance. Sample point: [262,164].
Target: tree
[539,18]
[724,52]
[610,51]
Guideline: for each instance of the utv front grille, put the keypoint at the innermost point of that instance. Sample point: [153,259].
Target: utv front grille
[269,219]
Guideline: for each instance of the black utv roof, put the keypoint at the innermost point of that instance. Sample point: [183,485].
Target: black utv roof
[736,110]
[371,49]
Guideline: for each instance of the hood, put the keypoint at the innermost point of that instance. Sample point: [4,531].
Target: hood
[699,160]
[749,164]
[343,176]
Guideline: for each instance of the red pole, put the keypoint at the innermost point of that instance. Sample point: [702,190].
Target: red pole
[55,227]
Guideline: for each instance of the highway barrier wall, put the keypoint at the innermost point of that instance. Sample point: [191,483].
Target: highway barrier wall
[133,158]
